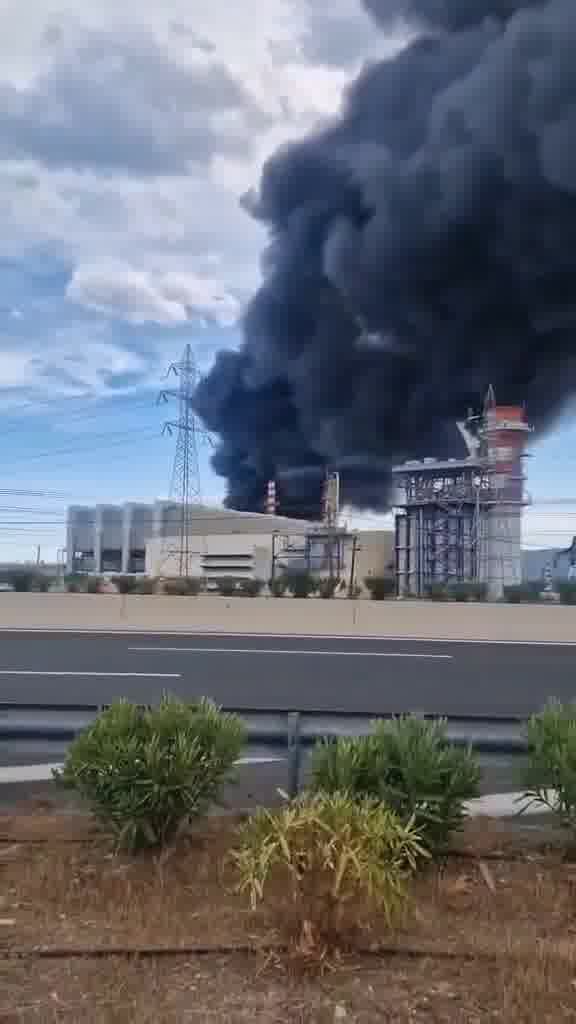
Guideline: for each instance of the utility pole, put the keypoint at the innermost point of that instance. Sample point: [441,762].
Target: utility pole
[352,581]
[185,487]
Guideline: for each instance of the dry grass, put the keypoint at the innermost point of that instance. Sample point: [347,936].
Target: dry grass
[233,991]
[520,912]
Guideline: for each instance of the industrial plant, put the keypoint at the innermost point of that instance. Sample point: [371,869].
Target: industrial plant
[460,520]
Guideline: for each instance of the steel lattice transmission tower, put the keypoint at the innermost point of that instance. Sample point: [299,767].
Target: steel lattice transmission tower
[185,489]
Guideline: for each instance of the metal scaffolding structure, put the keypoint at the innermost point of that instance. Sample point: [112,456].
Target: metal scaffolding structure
[459,520]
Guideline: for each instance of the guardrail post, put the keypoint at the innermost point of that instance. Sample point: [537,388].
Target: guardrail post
[294,754]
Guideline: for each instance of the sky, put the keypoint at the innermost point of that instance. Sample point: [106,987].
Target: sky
[131,135]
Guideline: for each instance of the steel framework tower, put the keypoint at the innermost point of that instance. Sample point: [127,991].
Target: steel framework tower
[185,489]
[460,519]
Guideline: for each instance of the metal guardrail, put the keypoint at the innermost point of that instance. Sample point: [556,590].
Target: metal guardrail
[277,729]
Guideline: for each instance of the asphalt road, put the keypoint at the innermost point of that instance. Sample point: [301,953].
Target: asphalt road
[372,675]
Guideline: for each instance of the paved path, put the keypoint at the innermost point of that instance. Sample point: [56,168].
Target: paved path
[301,672]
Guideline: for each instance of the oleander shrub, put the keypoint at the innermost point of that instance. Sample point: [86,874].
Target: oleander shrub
[146,773]
[408,764]
[550,775]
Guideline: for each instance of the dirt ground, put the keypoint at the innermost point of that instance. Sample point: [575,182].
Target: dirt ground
[490,936]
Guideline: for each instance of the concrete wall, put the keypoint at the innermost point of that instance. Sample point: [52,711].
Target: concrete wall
[537,623]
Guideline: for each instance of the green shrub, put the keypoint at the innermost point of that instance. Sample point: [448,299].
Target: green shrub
[567,592]
[323,864]
[93,585]
[182,586]
[146,773]
[328,587]
[227,586]
[125,584]
[251,587]
[437,592]
[278,586]
[468,591]
[22,581]
[380,587]
[354,592]
[409,764]
[146,585]
[550,776]
[301,584]
[523,593]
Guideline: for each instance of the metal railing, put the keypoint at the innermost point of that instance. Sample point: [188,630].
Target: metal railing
[285,732]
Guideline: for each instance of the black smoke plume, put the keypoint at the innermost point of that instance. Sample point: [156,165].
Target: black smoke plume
[422,247]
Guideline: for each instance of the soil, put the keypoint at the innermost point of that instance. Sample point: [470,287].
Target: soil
[90,937]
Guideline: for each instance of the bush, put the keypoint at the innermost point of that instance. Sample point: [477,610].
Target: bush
[301,584]
[468,591]
[146,585]
[354,592]
[278,586]
[550,776]
[380,587]
[523,593]
[567,592]
[409,764]
[437,592]
[182,586]
[227,586]
[251,588]
[22,582]
[125,584]
[146,773]
[328,587]
[93,585]
[324,863]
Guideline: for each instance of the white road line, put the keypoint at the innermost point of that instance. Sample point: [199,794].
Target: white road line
[271,650]
[111,631]
[97,675]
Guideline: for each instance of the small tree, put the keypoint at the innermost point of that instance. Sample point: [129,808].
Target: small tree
[380,587]
[147,773]
[410,765]
[324,864]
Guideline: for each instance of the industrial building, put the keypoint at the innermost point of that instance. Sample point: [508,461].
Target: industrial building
[459,520]
[138,538]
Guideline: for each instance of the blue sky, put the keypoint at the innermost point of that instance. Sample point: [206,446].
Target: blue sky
[129,135]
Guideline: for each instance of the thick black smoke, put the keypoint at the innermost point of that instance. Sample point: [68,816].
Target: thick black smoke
[421,248]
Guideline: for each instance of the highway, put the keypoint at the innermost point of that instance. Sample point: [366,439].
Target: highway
[299,672]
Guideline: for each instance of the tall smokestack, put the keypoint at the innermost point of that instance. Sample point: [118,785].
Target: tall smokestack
[439,212]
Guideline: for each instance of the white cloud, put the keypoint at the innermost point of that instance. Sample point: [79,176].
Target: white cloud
[140,296]
[128,134]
